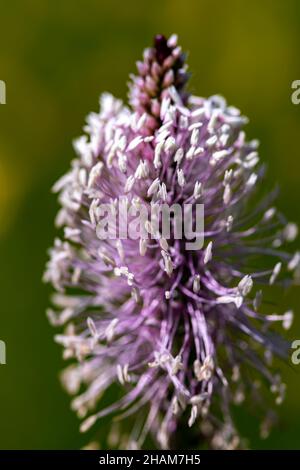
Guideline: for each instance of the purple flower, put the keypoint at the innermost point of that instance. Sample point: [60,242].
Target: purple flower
[183,334]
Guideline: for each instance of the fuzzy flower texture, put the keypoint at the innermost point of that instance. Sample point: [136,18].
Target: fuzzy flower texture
[171,339]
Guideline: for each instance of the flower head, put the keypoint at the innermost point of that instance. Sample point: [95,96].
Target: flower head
[183,333]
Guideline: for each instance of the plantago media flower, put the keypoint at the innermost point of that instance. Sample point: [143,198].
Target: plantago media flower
[183,334]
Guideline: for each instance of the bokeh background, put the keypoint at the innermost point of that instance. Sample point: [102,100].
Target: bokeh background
[56,57]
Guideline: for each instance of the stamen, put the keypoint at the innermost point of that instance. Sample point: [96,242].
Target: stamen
[208,253]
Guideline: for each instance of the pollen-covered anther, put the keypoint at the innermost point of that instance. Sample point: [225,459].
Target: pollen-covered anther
[177,365]
[290,232]
[286,318]
[124,271]
[180,178]
[208,253]
[163,244]
[175,406]
[110,331]
[168,265]
[227,194]
[197,190]
[179,156]
[193,415]
[218,156]
[275,273]
[88,423]
[245,285]
[175,323]
[142,170]
[205,370]
[294,262]
[196,283]
[123,375]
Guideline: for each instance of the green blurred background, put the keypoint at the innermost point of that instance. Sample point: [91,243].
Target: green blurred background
[56,57]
